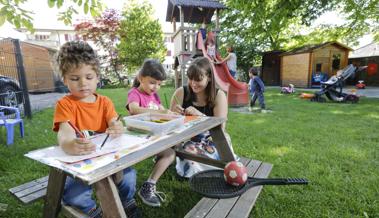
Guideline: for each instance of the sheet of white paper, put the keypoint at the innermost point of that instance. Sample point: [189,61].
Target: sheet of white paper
[112,145]
[121,146]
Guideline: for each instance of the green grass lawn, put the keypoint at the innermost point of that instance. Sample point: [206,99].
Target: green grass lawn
[335,146]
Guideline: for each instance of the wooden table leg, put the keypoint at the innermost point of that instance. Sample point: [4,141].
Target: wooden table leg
[107,194]
[54,193]
[222,144]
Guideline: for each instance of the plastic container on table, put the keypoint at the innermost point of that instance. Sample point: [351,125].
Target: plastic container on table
[157,124]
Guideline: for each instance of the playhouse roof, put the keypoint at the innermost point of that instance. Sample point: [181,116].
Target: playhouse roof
[311,48]
[194,10]
[370,50]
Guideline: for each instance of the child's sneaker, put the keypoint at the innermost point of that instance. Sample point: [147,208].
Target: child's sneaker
[266,110]
[150,196]
[95,213]
[131,209]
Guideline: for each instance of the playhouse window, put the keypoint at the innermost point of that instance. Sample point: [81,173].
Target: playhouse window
[336,61]
[318,67]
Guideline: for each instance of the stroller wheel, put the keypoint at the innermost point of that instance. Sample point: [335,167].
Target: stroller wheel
[353,99]
[318,99]
[322,100]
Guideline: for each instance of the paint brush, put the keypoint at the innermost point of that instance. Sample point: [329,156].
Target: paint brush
[106,138]
[77,131]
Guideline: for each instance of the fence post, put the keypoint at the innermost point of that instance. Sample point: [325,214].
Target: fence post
[22,77]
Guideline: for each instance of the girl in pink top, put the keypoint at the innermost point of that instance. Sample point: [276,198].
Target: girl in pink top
[143,98]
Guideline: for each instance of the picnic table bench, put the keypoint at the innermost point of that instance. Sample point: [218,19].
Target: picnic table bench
[232,207]
[207,207]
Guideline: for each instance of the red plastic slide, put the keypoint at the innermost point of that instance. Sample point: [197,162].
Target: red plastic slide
[238,94]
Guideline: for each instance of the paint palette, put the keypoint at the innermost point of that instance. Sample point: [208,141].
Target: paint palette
[157,124]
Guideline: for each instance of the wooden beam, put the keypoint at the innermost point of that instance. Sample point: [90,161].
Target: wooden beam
[309,83]
[181,15]
[107,194]
[222,144]
[190,15]
[173,25]
[57,179]
[197,158]
[208,12]
[173,19]
[217,20]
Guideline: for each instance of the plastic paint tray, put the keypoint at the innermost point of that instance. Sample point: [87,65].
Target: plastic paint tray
[158,124]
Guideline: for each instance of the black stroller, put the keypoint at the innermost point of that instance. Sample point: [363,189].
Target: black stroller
[333,88]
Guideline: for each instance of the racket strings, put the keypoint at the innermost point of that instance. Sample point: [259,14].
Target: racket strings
[212,182]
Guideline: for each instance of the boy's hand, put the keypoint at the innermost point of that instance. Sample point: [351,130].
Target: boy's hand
[115,128]
[80,146]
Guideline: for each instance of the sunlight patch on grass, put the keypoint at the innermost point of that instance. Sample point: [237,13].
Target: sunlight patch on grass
[280,151]
[375,116]
[337,112]
[355,152]
[259,121]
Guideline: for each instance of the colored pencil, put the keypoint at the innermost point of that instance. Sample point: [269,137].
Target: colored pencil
[77,131]
[106,138]
[177,102]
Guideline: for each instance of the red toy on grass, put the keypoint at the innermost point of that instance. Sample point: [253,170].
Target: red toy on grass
[235,173]
[360,84]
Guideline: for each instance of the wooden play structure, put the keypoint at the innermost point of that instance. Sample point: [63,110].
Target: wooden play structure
[188,44]
[298,65]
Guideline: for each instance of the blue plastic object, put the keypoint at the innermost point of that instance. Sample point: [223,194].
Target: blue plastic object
[9,123]
[318,78]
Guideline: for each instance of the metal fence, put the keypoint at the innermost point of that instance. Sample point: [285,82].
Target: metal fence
[13,86]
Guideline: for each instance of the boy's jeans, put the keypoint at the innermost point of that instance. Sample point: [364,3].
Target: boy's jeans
[261,99]
[232,73]
[79,195]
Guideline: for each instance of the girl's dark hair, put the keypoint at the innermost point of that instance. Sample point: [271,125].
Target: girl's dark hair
[152,68]
[200,68]
[230,47]
[76,53]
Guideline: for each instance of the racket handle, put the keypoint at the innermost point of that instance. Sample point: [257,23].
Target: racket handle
[295,181]
[280,181]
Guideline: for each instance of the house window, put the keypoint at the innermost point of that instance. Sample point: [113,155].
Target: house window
[41,37]
[167,39]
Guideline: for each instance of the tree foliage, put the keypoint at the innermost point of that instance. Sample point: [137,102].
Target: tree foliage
[13,11]
[256,26]
[141,35]
[103,31]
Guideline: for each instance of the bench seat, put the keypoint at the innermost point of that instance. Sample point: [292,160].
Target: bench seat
[31,191]
[237,207]
[36,189]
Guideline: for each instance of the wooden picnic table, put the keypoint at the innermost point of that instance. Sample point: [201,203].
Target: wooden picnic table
[103,182]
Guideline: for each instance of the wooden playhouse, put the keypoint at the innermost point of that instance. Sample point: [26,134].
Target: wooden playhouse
[298,65]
